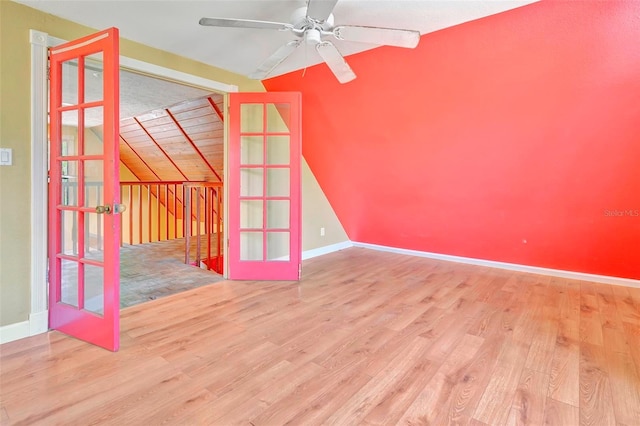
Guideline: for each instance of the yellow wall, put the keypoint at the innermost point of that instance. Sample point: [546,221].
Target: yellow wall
[15,110]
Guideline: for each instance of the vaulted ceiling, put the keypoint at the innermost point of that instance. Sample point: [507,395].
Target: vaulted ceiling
[182,142]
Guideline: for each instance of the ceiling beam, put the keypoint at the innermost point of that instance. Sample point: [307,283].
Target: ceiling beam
[193,145]
[140,158]
[160,148]
[216,109]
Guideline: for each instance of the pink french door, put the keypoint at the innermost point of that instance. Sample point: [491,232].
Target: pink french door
[84,198]
[264,186]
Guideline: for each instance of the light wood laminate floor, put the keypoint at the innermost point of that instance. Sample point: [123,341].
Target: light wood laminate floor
[364,338]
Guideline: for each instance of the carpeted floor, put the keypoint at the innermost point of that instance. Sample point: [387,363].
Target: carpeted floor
[153,270]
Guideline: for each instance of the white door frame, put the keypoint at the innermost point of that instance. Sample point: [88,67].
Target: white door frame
[40,42]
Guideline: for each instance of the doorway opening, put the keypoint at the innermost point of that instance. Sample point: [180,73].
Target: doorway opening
[171,182]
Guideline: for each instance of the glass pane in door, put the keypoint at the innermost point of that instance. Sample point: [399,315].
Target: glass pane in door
[93,78]
[93,183]
[94,289]
[70,82]
[278,182]
[69,282]
[93,135]
[251,245]
[251,150]
[278,150]
[93,237]
[278,117]
[251,182]
[278,214]
[251,118]
[278,246]
[251,214]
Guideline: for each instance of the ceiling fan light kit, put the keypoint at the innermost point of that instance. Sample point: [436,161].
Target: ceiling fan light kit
[311,24]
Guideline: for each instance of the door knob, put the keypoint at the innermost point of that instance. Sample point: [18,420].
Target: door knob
[106,209]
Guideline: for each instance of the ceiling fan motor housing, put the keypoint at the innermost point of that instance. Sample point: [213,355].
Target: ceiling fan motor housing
[300,21]
[312,36]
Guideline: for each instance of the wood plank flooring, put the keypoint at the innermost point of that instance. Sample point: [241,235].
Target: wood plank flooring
[365,338]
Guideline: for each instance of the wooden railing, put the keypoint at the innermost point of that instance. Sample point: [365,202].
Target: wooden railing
[158,211]
[154,211]
[203,234]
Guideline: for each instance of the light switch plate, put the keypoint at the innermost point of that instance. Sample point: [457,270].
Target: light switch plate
[6,156]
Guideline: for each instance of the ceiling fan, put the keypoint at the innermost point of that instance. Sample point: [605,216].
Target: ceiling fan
[310,24]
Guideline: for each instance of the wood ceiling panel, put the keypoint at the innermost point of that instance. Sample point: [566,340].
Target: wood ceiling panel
[211,151]
[159,117]
[201,128]
[205,120]
[172,140]
[138,136]
[164,132]
[182,142]
[211,134]
[216,126]
[189,105]
[158,122]
[135,163]
[133,127]
[137,133]
[140,144]
[204,111]
[209,144]
[170,173]
[211,154]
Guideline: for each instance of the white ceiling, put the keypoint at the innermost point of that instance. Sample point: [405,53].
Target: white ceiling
[173,25]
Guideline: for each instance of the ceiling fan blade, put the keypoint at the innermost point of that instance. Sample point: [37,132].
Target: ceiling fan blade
[335,61]
[274,60]
[244,23]
[320,10]
[377,35]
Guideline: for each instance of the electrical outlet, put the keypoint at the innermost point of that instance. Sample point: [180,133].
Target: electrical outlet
[6,156]
[322,231]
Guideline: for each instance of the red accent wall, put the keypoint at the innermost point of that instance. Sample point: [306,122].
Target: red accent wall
[513,138]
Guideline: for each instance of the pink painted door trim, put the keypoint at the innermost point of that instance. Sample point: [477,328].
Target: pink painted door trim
[97,322]
[262,266]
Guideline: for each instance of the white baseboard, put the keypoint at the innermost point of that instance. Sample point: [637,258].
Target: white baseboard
[11,332]
[626,282]
[38,323]
[308,254]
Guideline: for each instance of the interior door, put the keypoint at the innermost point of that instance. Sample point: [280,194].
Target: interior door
[264,186]
[84,227]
